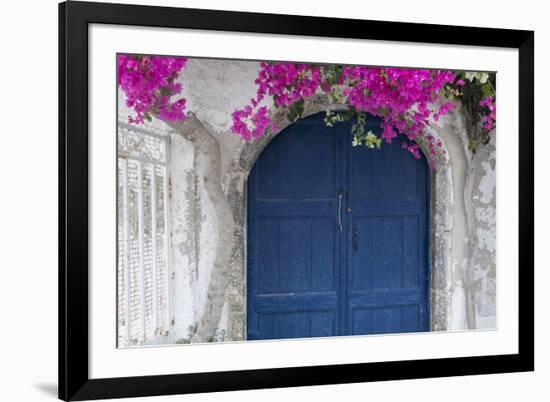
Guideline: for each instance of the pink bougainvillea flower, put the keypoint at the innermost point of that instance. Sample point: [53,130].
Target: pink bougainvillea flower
[251,123]
[405,99]
[149,84]
[488,118]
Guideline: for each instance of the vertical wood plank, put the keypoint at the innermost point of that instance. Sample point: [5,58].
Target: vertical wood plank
[140,250]
[410,252]
[126,247]
[154,246]
[294,255]
[168,276]
[323,248]
[268,255]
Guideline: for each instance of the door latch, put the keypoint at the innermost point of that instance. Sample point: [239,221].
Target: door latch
[340,211]
[355,237]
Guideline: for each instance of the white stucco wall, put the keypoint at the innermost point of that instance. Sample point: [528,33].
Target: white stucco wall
[214,89]
[473,256]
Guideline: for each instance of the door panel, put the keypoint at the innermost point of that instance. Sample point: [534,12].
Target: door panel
[300,164]
[296,325]
[293,237]
[387,248]
[324,265]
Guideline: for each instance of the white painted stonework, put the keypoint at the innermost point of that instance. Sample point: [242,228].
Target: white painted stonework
[208,292]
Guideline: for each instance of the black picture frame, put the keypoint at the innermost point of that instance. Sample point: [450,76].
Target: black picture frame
[74,18]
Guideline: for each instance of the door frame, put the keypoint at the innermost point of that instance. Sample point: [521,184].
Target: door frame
[440,224]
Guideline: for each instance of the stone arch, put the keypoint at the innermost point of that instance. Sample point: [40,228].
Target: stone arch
[441,216]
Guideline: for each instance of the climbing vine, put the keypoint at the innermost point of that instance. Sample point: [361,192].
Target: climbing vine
[478,104]
[406,100]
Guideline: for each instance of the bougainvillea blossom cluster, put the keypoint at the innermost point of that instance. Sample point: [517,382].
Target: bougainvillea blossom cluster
[149,83]
[252,122]
[405,99]
[488,118]
[287,83]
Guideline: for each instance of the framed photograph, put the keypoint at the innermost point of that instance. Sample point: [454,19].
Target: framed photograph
[258,200]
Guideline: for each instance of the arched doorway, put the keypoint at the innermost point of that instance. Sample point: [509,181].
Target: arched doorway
[337,236]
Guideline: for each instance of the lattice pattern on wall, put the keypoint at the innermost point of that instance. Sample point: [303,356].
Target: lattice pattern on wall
[143,304]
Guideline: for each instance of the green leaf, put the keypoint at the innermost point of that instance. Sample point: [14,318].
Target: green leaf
[487,90]
[295,111]
[472,145]
[483,77]
[165,91]
[332,74]
[372,140]
[469,75]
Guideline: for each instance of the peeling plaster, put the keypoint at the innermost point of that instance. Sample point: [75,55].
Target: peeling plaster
[483,250]
[487,183]
[209,274]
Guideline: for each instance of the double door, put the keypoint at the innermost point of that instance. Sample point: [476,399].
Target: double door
[337,239]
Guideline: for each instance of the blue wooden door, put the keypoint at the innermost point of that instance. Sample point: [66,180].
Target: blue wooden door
[337,236]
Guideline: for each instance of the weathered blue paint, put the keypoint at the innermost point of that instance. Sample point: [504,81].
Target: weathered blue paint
[310,276]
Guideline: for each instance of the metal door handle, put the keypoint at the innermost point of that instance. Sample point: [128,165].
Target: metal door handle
[340,211]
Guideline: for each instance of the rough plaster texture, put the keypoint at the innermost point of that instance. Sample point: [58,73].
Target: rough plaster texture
[458,308]
[209,167]
[473,251]
[481,196]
